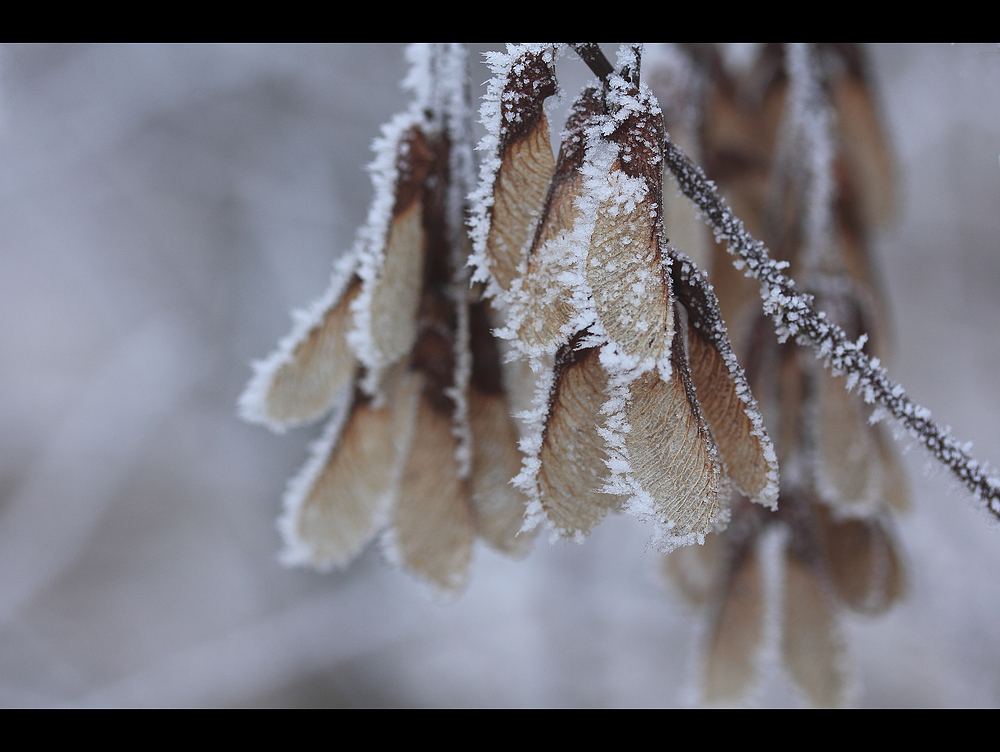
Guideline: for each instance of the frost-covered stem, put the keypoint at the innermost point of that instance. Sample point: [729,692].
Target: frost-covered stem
[794,315]
[594,58]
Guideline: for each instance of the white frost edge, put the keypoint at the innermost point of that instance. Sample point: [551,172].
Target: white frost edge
[253,402]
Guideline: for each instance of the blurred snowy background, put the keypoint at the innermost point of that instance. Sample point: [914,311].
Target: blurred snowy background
[163,208]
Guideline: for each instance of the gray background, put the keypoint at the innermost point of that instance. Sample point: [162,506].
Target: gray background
[162,208]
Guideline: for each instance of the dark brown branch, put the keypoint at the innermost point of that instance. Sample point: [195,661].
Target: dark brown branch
[594,58]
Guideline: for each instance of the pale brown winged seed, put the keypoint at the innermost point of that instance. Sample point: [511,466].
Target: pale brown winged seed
[625,261]
[811,645]
[671,452]
[432,523]
[350,497]
[572,455]
[738,629]
[722,390]
[526,164]
[396,291]
[305,386]
[546,305]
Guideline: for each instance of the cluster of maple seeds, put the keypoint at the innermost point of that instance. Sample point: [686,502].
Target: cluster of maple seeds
[611,350]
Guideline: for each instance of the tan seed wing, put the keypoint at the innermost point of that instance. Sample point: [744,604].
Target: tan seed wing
[811,646]
[572,456]
[737,633]
[895,485]
[345,503]
[743,453]
[848,468]
[526,165]
[432,524]
[545,298]
[396,294]
[386,315]
[726,402]
[497,505]
[305,385]
[863,144]
[693,569]
[546,301]
[863,564]
[624,272]
[672,456]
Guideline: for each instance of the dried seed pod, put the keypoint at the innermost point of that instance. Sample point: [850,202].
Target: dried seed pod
[524,160]
[432,530]
[544,306]
[386,310]
[625,261]
[863,563]
[572,456]
[670,467]
[811,646]
[693,570]
[344,494]
[498,507]
[848,463]
[302,379]
[723,393]
[737,633]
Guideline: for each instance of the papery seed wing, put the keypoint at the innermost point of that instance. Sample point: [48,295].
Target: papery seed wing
[863,563]
[572,457]
[811,645]
[515,186]
[672,468]
[343,495]
[726,402]
[863,144]
[498,506]
[632,296]
[302,379]
[848,461]
[392,271]
[737,632]
[544,303]
[895,485]
[432,525]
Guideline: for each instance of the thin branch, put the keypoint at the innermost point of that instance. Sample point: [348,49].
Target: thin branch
[794,315]
[594,58]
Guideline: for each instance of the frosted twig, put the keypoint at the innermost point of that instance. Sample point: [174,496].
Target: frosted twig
[794,315]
